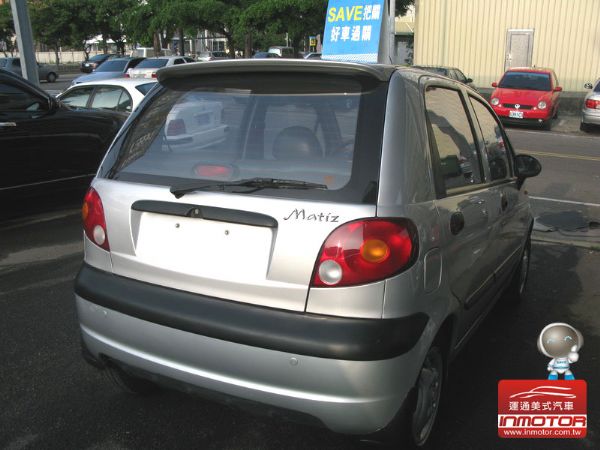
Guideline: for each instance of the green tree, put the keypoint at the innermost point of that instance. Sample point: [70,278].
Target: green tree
[7,30]
[51,23]
[111,16]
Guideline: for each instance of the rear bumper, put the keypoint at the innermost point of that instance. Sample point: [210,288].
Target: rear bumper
[348,395]
[591,116]
[301,333]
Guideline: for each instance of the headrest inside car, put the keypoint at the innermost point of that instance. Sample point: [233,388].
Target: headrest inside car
[296,143]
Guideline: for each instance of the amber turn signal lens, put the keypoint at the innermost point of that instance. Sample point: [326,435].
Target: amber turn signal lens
[85,210]
[374,250]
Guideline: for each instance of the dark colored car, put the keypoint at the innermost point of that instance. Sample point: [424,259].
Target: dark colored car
[450,72]
[112,68]
[92,63]
[45,144]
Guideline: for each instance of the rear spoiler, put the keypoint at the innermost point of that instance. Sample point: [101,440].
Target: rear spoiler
[379,72]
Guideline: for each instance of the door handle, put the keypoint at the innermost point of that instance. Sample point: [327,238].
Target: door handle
[8,124]
[503,202]
[457,222]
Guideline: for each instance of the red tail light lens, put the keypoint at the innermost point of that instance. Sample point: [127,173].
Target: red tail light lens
[213,171]
[176,127]
[365,251]
[127,75]
[592,104]
[94,224]
[154,75]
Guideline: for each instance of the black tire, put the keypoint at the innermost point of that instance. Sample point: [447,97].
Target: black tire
[555,114]
[585,127]
[129,383]
[414,425]
[547,125]
[518,283]
[51,77]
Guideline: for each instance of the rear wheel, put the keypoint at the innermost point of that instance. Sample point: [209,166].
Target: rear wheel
[584,127]
[129,383]
[51,77]
[429,394]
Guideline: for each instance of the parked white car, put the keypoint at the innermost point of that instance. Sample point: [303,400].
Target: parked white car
[148,67]
[590,113]
[118,94]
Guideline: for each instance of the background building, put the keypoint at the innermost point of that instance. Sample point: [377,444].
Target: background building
[485,37]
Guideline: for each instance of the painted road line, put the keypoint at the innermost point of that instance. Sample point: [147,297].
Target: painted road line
[563,201]
[558,155]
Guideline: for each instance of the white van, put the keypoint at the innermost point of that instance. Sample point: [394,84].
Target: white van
[283,52]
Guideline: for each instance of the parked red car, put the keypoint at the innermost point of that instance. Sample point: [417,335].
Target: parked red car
[527,96]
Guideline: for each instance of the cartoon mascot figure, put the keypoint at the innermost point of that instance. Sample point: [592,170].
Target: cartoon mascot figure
[561,342]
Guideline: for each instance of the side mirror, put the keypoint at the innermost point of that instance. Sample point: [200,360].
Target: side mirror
[527,167]
[53,103]
[494,84]
[469,80]
[557,89]
[588,85]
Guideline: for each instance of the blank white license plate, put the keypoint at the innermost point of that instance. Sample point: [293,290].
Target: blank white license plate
[515,114]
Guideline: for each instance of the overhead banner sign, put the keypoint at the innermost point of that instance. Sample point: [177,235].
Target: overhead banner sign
[353,30]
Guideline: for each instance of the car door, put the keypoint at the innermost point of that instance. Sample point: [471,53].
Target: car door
[463,202]
[22,163]
[506,197]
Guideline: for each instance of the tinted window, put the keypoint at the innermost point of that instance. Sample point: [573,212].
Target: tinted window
[2,62]
[597,88]
[78,97]
[112,66]
[14,98]
[144,88]
[453,138]
[228,128]
[526,80]
[16,62]
[496,151]
[98,58]
[460,76]
[152,63]
[111,97]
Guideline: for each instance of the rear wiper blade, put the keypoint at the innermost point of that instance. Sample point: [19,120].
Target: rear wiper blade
[256,183]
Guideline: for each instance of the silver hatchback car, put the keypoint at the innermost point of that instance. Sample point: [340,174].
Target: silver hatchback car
[324,249]
[590,113]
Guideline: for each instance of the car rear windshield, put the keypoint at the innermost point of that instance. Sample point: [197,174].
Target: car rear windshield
[152,64]
[112,66]
[597,88]
[531,81]
[98,57]
[216,130]
[2,62]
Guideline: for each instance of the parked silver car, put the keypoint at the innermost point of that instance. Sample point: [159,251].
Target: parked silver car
[45,72]
[325,247]
[590,113]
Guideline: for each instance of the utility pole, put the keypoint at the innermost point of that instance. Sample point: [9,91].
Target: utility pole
[20,14]
[392,33]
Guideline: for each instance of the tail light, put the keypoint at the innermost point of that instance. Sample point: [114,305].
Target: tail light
[592,104]
[94,224]
[365,251]
[176,127]
[127,75]
[154,75]
[213,171]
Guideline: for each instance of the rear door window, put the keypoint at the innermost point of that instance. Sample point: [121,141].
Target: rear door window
[498,157]
[453,138]
[111,97]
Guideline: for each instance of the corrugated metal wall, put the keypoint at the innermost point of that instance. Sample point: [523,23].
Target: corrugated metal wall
[471,35]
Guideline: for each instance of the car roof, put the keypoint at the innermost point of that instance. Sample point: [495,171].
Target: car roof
[433,67]
[382,72]
[125,82]
[531,69]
